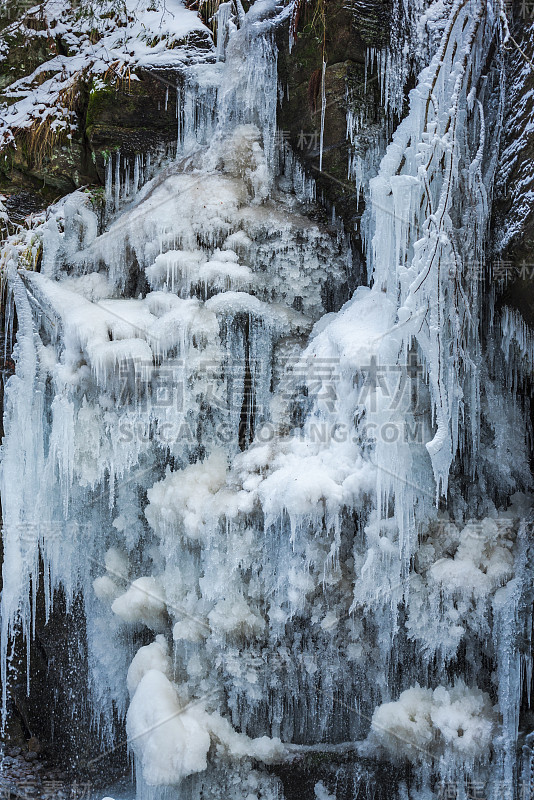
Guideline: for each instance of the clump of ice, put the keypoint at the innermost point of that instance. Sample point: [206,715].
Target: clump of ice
[182,501]
[457,572]
[322,793]
[457,721]
[108,587]
[170,735]
[242,155]
[169,740]
[233,616]
[151,656]
[143,603]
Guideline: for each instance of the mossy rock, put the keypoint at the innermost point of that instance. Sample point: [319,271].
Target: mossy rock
[101,95]
[13,11]
[22,54]
[131,116]
[23,57]
[62,168]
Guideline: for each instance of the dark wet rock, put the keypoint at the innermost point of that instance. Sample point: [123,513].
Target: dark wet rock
[513,227]
[342,41]
[131,117]
[22,204]
[34,745]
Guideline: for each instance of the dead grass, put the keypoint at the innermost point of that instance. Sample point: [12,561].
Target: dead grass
[40,140]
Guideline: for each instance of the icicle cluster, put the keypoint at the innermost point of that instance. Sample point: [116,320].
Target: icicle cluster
[237,465]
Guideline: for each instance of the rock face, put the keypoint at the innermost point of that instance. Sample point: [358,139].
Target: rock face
[19,59]
[133,111]
[514,207]
[338,33]
[133,117]
[58,167]
[130,117]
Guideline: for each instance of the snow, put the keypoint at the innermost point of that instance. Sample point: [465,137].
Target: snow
[152,656]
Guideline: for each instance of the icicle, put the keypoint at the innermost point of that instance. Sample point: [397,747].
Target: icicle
[516,332]
[323,111]
[127,184]
[223,15]
[136,174]
[148,170]
[506,606]
[117,179]
[20,482]
[109,181]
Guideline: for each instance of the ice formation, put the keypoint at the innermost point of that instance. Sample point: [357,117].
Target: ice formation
[237,462]
[457,573]
[423,722]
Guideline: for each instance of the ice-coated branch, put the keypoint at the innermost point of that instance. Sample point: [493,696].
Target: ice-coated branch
[426,258]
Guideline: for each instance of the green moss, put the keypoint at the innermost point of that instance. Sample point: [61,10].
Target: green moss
[308,55]
[108,152]
[97,196]
[30,257]
[101,96]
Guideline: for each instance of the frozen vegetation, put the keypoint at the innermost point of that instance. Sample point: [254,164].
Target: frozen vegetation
[297,514]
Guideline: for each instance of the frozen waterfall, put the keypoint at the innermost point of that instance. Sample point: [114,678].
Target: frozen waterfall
[297,514]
